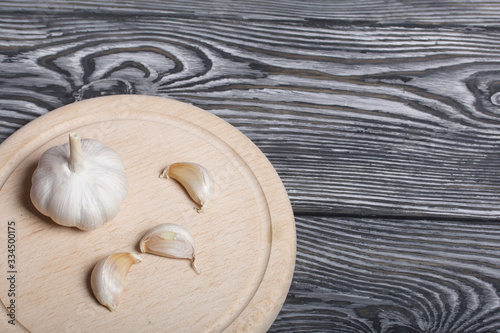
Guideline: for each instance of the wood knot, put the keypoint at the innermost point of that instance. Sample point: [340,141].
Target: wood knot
[486,89]
[103,87]
[495,99]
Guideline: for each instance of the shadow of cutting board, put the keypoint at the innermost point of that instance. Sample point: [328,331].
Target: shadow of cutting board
[245,241]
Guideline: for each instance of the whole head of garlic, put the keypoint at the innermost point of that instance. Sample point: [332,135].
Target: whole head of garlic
[81,184]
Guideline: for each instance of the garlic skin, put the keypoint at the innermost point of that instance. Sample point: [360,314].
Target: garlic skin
[81,184]
[108,278]
[171,241]
[195,178]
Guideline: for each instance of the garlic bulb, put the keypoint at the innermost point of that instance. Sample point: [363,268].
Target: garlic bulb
[81,184]
[171,241]
[195,178]
[108,278]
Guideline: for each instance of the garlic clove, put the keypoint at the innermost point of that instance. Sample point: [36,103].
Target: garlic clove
[108,278]
[195,178]
[171,241]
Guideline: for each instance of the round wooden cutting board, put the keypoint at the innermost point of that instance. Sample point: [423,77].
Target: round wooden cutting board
[245,241]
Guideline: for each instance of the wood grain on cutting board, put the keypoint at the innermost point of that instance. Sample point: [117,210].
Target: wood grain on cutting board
[245,241]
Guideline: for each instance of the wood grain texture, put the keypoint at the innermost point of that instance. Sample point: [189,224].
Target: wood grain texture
[357,120]
[383,275]
[384,108]
[481,13]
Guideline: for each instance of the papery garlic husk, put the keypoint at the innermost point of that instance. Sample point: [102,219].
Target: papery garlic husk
[81,184]
[195,178]
[171,241]
[108,278]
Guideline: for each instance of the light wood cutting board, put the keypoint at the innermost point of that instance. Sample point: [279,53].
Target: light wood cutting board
[245,240]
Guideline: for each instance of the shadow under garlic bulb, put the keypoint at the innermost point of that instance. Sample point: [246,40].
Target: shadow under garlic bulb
[81,184]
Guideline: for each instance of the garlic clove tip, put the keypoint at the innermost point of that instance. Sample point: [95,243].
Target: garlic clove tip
[193,264]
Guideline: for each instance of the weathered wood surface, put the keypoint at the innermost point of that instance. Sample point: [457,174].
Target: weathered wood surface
[382,275]
[389,109]
[482,13]
[357,120]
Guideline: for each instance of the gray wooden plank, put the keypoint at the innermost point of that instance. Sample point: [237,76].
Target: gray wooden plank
[482,13]
[370,120]
[383,275]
